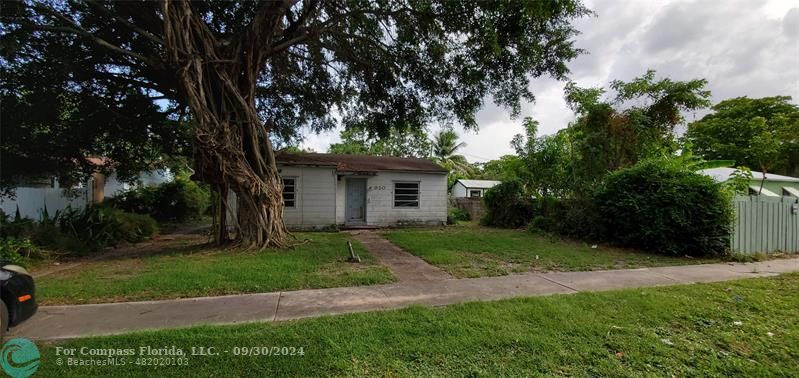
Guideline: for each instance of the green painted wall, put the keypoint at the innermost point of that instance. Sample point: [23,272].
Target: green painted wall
[776,186]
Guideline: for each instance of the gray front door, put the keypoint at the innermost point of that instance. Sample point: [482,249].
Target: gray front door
[355,201]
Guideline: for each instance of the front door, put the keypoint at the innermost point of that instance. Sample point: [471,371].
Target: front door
[355,201]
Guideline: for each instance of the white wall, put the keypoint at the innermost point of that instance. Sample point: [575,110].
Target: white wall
[380,210]
[458,190]
[315,203]
[31,201]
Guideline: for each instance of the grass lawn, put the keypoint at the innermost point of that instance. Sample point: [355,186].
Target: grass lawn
[474,251]
[177,272]
[737,328]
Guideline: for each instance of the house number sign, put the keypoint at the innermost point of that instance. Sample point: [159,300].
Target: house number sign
[377,187]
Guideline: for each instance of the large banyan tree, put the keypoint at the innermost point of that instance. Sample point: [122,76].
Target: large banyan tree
[252,72]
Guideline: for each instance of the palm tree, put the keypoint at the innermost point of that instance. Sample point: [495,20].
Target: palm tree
[445,148]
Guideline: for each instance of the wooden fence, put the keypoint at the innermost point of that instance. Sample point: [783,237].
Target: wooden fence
[766,224]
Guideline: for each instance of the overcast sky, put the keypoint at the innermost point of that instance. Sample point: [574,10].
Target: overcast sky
[743,48]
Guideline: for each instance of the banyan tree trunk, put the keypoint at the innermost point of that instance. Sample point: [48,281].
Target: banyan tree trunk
[232,146]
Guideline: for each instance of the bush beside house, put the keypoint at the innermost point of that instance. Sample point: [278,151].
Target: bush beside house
[176,201]
[661,206]
[656,205]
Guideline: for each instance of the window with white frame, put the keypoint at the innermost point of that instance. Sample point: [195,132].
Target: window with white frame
[475,193]
[406,194]
[289,191]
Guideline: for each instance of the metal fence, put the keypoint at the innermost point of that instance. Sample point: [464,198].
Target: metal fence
[766,224]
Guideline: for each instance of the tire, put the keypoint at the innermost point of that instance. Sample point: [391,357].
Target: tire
[3,319]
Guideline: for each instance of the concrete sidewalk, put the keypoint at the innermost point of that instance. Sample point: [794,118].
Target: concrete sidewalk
[60,322]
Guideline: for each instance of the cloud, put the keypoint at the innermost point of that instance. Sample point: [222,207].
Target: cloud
[743,48]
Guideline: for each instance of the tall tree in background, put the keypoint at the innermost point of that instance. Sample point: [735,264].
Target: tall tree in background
[547,160]
[359,140]
[758,133]
[445,152]
[248,72]
[637,122]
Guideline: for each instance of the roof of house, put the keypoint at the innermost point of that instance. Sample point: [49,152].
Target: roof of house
[722,174]
[359,163]
[478,184]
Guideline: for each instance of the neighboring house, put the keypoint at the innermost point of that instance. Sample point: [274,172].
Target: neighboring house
[773,186]
[324,190]
[472,188]
[32,198]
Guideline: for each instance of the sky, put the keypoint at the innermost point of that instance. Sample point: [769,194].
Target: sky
[742,47]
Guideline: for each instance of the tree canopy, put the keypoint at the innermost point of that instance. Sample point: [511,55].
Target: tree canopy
[359,140]
[610,132]
[758,133]
[250,72]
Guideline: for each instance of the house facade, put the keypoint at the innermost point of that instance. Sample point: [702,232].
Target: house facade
[472,188]
[324,190]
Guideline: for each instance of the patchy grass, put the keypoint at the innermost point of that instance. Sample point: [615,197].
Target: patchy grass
[189,271]
[737,328]
[474,251]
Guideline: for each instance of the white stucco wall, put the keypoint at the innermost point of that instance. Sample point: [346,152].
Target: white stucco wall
[380,210]
[315,204]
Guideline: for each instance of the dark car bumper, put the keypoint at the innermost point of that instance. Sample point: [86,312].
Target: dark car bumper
[19,294]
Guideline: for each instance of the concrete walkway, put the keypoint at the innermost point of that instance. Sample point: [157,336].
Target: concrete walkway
[59,322]
[405,266]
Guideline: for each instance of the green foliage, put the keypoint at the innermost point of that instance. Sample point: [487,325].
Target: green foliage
[360,140]
[96,227]
[18,251]
[79,230]
[659,205]
[456,214]
[507,167]
[445,152]
[739,181]
[611,134]
[507,206]
[759,133]
[547,160]
[377,63]
[176,201]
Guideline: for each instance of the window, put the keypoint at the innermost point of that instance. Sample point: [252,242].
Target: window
[406,194]
[289,191]
[474,193]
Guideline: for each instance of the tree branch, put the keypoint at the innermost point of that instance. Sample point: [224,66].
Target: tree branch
[74,28]
[127,23]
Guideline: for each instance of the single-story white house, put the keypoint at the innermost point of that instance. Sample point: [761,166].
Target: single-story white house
[324,190]
[471,188]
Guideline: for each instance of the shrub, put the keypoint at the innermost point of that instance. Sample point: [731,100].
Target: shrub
[96,227]
[176,201]
[660,206]
[506,206]
[17,251]
[456,214]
